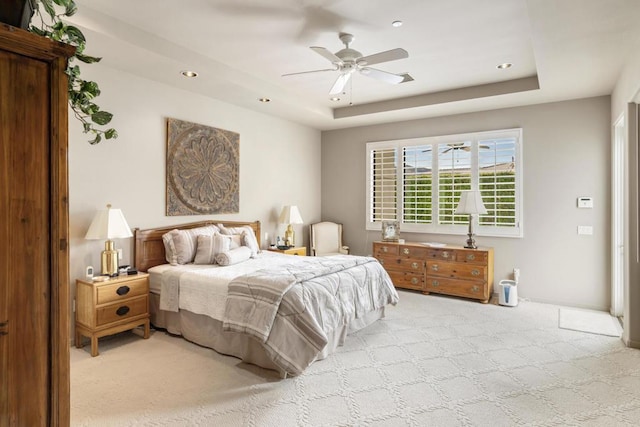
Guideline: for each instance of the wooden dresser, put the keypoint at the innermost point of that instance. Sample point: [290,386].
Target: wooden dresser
[450,270]
[112,306]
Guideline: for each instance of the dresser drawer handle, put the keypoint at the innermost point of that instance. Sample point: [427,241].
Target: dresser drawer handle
[434,267]
[475,289]
[471,257]
[384,249]
[414,280]
[475,272]
[435,283]
[123,290]
[406,251]
[414,265]
[381,261]
[121,311]
[445,254]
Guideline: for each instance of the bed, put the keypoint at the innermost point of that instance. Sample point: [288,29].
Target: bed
[277,311]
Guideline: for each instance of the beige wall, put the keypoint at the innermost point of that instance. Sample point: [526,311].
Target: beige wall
[279,162]
[566,155]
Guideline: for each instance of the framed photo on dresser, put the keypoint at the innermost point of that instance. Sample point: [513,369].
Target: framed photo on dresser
[390,231]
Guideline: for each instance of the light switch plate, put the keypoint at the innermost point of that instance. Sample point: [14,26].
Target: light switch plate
[585,229]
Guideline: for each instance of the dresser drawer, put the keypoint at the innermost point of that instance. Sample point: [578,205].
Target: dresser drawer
[122,310]
[413,251]
[472,256]
[407,280]
[122,290]
[442,254]
[460,288]
[391,263]
[381,249]
[457,270]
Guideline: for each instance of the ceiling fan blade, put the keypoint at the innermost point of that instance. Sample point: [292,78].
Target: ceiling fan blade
[382,75]
[340,83]
[389,55]
[327,54]
[311,71]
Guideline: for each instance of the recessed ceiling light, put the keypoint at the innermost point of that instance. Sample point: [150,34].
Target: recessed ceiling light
[189,73]
[264,100]
[397,24]
[334,98]
[504,66]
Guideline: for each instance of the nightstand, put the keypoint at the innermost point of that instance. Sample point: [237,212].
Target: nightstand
[112,306]
[299,250]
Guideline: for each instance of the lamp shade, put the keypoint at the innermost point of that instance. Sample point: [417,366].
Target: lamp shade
[471,203]
[108,224]
[290,215]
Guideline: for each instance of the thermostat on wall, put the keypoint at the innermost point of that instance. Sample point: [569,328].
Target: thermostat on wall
[585,202]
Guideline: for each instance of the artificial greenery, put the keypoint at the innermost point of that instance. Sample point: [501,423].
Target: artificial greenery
[81,92]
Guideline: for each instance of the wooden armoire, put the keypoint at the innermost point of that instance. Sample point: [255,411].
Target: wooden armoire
[34,273]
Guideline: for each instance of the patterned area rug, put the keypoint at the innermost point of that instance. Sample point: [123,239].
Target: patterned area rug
[591,321]
[434,361]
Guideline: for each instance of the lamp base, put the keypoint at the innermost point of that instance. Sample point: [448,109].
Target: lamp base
[109,259]
[471,243]
[289,236]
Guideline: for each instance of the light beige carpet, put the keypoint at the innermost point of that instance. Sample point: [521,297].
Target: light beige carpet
[591,321]
[434,361]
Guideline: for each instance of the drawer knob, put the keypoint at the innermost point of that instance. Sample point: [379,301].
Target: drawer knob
[384,249]
[381,261]
[475,289]
[434,267]
[471,257]
[414,265]
[121,311]
[435,283]
[475,272]
[123,290]
[406,251]
[414,280]
[445,254]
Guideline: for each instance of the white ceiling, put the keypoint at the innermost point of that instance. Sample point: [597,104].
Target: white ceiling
[561,49]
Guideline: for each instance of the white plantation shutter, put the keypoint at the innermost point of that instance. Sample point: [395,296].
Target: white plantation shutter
[419,182]
[384,193]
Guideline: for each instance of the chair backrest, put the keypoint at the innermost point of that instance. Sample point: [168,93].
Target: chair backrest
[326,238]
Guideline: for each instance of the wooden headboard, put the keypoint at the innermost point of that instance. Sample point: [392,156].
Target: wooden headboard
[148,247]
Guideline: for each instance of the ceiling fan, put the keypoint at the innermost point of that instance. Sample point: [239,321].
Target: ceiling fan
[347,61]
[458,146]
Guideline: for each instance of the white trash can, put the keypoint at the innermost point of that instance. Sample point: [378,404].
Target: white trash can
[508,293]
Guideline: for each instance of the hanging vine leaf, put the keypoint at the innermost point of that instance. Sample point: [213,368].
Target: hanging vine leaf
[80,92]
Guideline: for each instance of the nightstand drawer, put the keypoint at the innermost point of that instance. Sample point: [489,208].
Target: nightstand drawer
[122,310]
[122,290]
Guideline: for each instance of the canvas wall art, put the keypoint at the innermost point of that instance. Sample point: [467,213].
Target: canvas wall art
[203,165]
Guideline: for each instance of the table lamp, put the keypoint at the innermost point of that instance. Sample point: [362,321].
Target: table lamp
[290,215]
[109,224]
[471,203]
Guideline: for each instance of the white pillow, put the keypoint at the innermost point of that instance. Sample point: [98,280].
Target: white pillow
[234,256]
[169,247]
[248,237]
[185,242]
[210,246]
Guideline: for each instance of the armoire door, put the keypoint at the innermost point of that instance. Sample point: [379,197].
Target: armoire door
[25,235]
[34,276]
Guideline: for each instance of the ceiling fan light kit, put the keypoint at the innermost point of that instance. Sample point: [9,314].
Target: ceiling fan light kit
[347,61]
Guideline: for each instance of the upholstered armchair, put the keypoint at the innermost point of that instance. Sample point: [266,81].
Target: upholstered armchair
[326,239]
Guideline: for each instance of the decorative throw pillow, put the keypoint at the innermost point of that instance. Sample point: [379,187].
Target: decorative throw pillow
[210,246]
[248,237]
[169,247]
[234,256]
[186,242]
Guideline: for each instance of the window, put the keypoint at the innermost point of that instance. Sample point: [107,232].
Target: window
[418,182]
